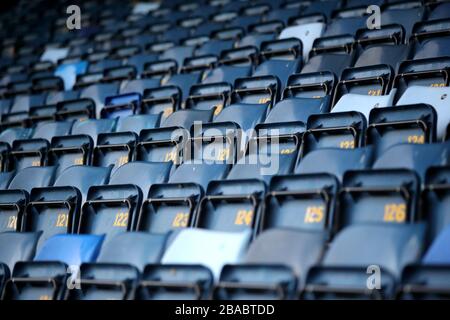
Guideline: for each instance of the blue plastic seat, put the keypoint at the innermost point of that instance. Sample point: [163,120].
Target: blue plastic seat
[116,271]
[379,196]
[15,247]
[54,267]
[167,143]
[336,161]
[173,205]
[402,124]
[343,270]
[14,200]
[278,258]
[224,247]
[33,152]
[98,93]
[55,210]
[418,157]
[114,208]
[332,54]
[117,148]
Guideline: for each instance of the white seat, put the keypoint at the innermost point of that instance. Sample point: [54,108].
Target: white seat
[54,54]
[307,33]
[212,249]
[438,97]
[363,103]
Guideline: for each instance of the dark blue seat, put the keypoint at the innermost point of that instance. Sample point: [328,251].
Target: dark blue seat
[336,161]
[343,273]
[33,152]
[209,96]
[15,247]
[114,208]
[402,124]
[343,130]
[382,46]
[430,39]
[98,93]
[173,205]
[54,210]
[115,273]
[418,157]
[224,139]
[117,148]
[167,142]
[379,196]
[332,54]
[55,266]
[77,148]
[14,200]
[274,266]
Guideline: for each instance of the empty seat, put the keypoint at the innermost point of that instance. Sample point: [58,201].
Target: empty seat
[98,93]
[77,147]
[15,247]
[116,271]
[32,152]
[428,279]
[167,142]
[13,201]
[434,96]
[54,269]
[418,157]
[114,208]
[209,96]
[344,130]
[332,54]
[379,196]
[403,13]
[343,273]
[274,267]
[117,148]
[173,205]
[224,247]
[430,39]
[382,46]
[56,209]
[336,161]
[307,33]
[402,124]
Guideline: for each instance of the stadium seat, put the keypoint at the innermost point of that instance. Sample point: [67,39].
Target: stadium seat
[307,33]
[208,96]
[436,97]
[46,277]
[14,200]
[403,13]
[54,210]
[343,272]
[336,161]
[76,148]
[118,148]
[343,130]
[33,152]
[402,124]
[428,279]
[15,247]
[430,39]
[418,157]
[115,273]
[224,247]
[382,46]
[274,267]
[114,208]
[98,93]
[332,54]
[173,205]
[167,143]
[379,196]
